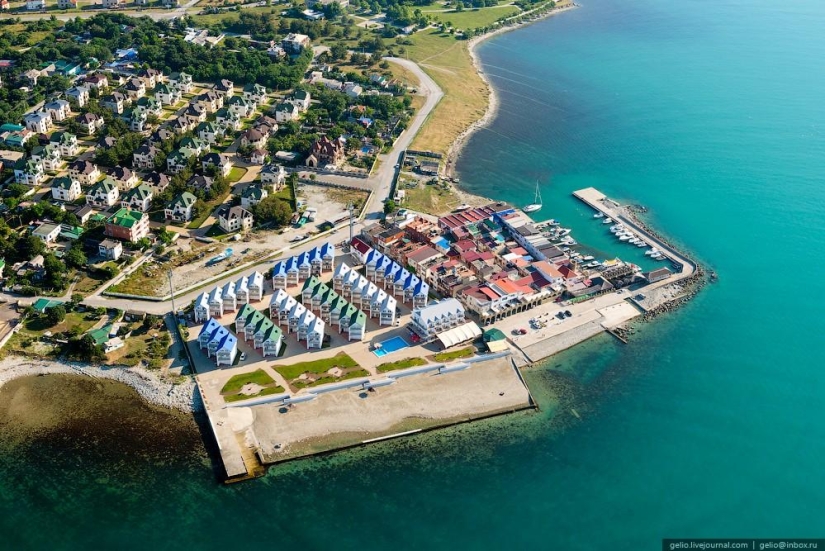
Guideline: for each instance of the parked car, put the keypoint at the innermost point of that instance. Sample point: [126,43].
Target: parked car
[243,356]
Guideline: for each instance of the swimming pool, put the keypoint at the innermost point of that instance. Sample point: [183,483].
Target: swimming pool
[389,346]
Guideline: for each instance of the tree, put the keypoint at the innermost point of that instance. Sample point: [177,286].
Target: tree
[29,247]
[389,206]
[55,314]
[86,348]
[75,257]
[272,209]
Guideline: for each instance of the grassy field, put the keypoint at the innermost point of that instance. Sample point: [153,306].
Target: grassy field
[434,199]
[235,174]
[472,19]
[341,361]
[146,281]
[236,383]
[401,364]
[209,206]
[454,354]
[448,62]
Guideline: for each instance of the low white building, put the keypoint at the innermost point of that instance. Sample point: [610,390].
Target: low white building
[65,189]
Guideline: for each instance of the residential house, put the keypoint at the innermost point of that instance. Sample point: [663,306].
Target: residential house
[89,123]
[47,233]
[353,90]
[145,155]
[158,181]
[229,120]
[301,99]
[200,182]
[255,93]
[252,195]
[196,112]
[225,88]
[160,135]
[176,162]
[39,122]
[273,175]
[110,249]
[113,4]
[97,81]
[201,307]
[137,119]
[35,5]
[65,189]
[80,94]
[232,219]
[150,77]
[66,4]
[139,198]
[49,156]
[219,161]
[181,81]
[116,101]
[240,106]
[128,225]
[326,152]
[103,194]
[253,138]
[286,112]
[180,208]
[66,142]
[105,142]
[209,132]
[210,101]
[84,213]
[124,177]
[257,156]
[58,109]
[150,106]
[29,172]
[217,340]
[167,94]
[294,43]
[86,172]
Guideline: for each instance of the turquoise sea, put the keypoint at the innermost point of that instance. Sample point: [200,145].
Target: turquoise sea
[708,424]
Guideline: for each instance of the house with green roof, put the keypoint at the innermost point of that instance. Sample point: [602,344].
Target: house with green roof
[128,225]
[252,195]
[65,189]
[180,208]
[139,198]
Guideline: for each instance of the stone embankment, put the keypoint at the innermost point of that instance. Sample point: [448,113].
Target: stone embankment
[181,394]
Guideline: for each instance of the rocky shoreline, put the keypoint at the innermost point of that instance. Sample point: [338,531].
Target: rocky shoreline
[183,397]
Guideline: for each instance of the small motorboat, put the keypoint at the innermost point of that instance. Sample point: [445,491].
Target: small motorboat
[607,221]
[598,215]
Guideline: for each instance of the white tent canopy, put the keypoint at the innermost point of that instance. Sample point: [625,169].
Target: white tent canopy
[457,335]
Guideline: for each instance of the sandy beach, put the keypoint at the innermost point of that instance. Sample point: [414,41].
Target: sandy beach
[493,103]
[183,397]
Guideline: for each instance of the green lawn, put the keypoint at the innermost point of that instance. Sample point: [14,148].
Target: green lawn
[208,207]
[236,174]
[259,377]
[401,364]
[342,361]
[471,19]
[455,354]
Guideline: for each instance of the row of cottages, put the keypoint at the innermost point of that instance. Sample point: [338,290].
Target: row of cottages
[298,319]
[256,327]
[379,303]
[389,274]
[227,298]
[218,342]
[249,288]
[437,318]
[365,294]
[295,269]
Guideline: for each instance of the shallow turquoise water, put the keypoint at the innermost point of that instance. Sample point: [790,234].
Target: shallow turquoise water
[708,424]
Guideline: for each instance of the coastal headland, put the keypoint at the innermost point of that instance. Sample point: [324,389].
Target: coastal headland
[273,416]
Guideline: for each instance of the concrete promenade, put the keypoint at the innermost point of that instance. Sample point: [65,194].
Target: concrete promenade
[349,417]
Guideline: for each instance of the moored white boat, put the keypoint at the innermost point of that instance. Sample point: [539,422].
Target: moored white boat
[607,221]
[598,215]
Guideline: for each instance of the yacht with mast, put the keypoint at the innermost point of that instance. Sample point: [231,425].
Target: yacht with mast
[536,204]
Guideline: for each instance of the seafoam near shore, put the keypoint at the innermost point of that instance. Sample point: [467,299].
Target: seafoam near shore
[183,396]
[492,101]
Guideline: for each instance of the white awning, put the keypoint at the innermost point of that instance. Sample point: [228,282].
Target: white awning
[457,335]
